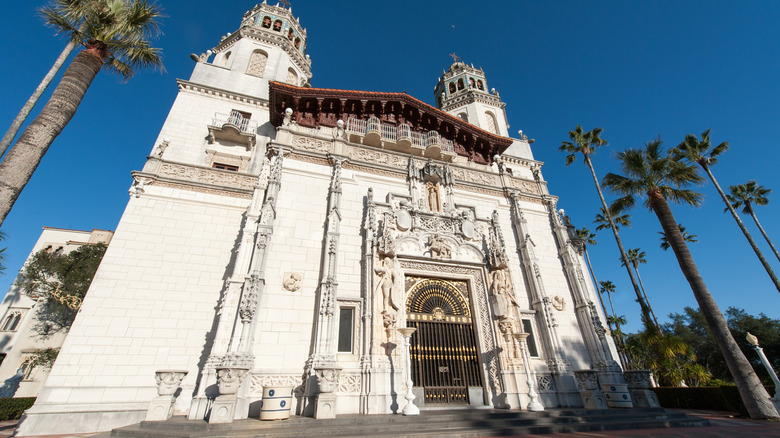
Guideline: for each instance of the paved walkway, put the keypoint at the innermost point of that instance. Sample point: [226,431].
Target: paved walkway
[724,425]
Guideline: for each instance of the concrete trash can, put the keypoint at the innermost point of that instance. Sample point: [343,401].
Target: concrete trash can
[276,403]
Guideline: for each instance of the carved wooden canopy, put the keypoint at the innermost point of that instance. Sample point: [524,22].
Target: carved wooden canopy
[314,107]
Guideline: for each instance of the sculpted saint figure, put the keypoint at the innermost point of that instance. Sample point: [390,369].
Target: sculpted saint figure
[502,286]
[386,275]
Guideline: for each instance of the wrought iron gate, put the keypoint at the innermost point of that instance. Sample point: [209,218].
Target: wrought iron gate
[444,353]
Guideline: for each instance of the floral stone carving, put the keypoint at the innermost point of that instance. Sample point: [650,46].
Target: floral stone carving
[229,379]
[588,379]
[168,381]
[637,379]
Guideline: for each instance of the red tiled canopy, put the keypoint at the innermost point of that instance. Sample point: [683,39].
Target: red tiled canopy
[314,107]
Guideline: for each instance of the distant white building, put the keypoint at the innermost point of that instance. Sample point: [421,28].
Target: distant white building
[20,328]
[292,230]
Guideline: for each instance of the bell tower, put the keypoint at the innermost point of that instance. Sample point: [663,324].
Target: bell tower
[270,45]
[463,92]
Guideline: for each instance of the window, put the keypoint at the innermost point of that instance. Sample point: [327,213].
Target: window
[297,43]
[472,83]
[11,321]
[492,126]
[240,119]
[460,84]
[452,87]
[290,34]
[257,62]
[292,77]
[266,22]
[25,369]
[278,25]
[225,167]
[480,86]
[346,318]
[528,327]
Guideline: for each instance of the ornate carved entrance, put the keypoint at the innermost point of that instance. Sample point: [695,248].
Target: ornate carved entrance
[444,353]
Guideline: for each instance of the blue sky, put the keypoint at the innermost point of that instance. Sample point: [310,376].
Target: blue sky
[637,69]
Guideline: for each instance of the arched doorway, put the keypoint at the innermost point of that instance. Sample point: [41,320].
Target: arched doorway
[444,352]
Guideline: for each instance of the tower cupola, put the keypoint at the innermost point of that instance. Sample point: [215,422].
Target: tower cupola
[463,92]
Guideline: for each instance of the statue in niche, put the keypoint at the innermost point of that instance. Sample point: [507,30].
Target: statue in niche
[387,278]
[434,201]
[439,247]
[502,292]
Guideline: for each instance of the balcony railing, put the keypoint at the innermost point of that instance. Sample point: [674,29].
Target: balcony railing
[243,124]
[376,132]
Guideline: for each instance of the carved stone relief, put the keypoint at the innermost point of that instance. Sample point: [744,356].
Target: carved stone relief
[311,144]
[292,281]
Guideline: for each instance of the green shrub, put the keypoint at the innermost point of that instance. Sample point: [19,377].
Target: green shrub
[716,398]
[12,408]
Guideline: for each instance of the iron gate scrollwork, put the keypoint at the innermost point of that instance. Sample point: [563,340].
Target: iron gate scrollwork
[444,353]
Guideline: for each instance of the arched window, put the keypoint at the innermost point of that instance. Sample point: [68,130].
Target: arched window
[492,126]
[266,22]
[11,321]
[292,77]
[464,117]
[290,34]
[278,25]
[472,84]
[460,84]
[257,62]
[480,86]
[297,43]
[452,87]
[223,62]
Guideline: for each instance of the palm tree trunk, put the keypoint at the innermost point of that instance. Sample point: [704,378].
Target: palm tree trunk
[27,108]
[763,233]
[753,394]
[741,226]
[25,156]
[647,300]
[623,256]
[593,276]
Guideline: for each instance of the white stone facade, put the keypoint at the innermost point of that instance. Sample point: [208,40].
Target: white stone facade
[23,335]
[245,236]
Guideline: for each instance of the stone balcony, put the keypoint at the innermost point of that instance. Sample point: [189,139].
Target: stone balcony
[233,129]
[399,138]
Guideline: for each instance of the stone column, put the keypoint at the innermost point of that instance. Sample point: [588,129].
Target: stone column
[322,360]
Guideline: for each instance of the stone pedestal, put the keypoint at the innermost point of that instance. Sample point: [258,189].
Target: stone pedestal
[168,381]
[639,384]
[160,408]
[229,379]
[645,398]
[325,406]
[590,392]
[224,409]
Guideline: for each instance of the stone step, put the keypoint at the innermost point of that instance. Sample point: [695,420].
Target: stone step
[465,423]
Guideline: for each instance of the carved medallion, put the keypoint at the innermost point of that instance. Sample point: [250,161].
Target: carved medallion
[292,281]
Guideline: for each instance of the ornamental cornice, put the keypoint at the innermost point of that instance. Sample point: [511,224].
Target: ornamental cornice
[195,178]
[220,93]
[468,98]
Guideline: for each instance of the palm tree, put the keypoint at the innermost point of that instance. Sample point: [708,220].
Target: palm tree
[75,11]
[586,143]
[704,154]
[602,221]
[617,334]
[686,237]
[115,36]
[747,195]
[657,175]
[587,238]
[636,256]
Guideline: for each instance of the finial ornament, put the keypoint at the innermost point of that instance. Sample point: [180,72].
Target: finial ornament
[455,57]
[285,3]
